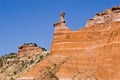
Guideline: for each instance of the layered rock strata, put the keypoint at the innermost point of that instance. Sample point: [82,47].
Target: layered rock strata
[107,16]
[29,48]
[91,53]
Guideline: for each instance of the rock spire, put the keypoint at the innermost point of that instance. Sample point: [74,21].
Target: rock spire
[61,24]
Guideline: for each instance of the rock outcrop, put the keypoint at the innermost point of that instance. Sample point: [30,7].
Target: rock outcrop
[16,65]
[91,53]
[29,48]
[107,16]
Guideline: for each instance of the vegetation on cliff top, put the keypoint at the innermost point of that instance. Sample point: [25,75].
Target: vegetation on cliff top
[13,66]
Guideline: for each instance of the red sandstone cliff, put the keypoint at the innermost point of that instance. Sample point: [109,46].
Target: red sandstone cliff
[91,53]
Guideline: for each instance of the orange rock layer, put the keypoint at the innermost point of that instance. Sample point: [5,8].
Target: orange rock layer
[91,53]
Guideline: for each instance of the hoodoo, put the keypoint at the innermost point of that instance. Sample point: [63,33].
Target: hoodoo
[62,23]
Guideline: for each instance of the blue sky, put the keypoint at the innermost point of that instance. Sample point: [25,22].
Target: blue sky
[25,21]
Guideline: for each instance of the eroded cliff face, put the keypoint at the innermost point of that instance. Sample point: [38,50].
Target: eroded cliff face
[91,53]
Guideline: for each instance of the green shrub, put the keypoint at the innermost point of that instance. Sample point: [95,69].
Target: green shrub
[44,49]
[41,57]
[1,62]
[12,78]
[15,73]
[11,55]
[32,44]
[31,61]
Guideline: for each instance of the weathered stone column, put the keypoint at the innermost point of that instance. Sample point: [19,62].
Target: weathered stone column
[61,24]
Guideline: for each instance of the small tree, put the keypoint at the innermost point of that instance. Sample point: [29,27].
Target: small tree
[44,49]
